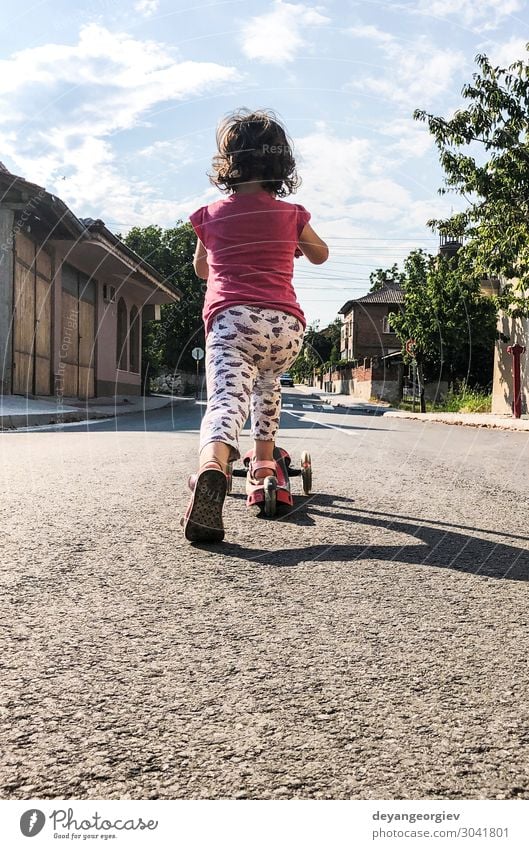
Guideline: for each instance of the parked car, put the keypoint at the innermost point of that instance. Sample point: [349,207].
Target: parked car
[286,380]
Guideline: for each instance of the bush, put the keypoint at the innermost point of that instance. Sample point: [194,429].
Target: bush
[466,400]
[459,399]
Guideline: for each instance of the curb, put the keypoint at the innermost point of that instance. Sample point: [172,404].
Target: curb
[19,420]
[497,424]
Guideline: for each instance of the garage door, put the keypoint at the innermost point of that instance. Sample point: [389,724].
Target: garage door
[78,333]
[32,339]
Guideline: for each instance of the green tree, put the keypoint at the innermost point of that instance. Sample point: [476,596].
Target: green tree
[451,323]
[320,347]
[170,341]
[380,277]
[484,152]
[330,341]
[308,359]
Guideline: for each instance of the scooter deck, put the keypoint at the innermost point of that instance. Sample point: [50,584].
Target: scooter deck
[283,492]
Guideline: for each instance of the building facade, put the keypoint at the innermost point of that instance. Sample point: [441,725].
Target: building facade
[366,328]
[72,299]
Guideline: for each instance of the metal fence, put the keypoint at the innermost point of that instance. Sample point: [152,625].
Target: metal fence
[410,390]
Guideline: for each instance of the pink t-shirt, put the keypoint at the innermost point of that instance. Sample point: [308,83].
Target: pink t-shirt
[250,241]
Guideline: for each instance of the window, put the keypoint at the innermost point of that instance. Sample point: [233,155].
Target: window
[386,326]
[134,337]
[122,354]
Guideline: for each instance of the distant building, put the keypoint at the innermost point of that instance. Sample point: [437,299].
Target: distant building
[449,246]
[72,299]
[366,329]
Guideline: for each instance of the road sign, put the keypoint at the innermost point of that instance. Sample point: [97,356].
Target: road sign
[411,347]
[197,353]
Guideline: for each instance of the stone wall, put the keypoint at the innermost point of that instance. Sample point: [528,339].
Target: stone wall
[176,383]
[376,379]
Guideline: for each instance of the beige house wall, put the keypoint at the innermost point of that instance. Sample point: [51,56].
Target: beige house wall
[502,389]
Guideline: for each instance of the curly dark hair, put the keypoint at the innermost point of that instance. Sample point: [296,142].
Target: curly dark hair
[254,147]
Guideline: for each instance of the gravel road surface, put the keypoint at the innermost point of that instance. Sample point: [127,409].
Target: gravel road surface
[372,644]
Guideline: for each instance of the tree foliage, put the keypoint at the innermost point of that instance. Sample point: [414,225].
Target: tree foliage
[320,349]
[451,323]
[484,151]
[380,277]
[169,342]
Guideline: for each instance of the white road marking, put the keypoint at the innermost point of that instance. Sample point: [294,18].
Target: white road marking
[321,424]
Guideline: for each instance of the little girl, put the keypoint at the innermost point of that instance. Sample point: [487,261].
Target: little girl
[254,325]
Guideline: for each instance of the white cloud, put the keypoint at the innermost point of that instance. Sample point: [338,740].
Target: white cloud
[387,191]
[371,32]
[341,176]
[374,211]
[363,184]
[173,155]
[127,76]
[146,7]
[110,82]
[277,36]
[332,169]
[412,139]
[416,71]
[162,149]
[508,52]
[421,211]
[480,15]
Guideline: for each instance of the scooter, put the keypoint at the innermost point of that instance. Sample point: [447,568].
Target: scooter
[274,491]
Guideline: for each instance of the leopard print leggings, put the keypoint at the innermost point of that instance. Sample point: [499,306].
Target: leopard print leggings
[247,349]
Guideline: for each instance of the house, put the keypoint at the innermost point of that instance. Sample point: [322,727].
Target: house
[73,298]
[370,345]
[366,329]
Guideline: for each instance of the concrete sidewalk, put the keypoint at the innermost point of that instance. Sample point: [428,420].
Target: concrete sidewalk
[492,420]
[503,422]
[359,405]
[18,411]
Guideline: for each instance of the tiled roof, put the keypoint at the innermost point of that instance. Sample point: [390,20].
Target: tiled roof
[392,293]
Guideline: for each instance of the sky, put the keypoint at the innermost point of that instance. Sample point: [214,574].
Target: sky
[112,106]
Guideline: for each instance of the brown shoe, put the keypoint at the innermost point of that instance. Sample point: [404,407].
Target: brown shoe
[203,519]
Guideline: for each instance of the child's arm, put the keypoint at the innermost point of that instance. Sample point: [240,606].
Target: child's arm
[314,248]
[200,261]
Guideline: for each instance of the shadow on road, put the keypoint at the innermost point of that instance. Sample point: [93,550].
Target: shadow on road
[440,547]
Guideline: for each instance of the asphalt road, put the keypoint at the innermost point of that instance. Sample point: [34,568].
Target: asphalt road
[372,644]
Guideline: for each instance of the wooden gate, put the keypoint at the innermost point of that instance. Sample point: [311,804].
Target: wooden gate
[32,328]
[78,333]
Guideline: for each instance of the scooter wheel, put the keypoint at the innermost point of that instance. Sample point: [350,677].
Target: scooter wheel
[306,472]
[270,496]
